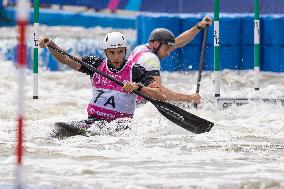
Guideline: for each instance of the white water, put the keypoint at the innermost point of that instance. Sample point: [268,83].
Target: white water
[244,150]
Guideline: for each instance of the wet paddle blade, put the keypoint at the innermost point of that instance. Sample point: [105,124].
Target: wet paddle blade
[183,118]
[72,128]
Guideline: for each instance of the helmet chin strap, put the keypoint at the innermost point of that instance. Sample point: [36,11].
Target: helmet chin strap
[156,50]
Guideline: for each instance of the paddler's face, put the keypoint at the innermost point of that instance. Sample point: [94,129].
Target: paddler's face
[165,50]
[116,56]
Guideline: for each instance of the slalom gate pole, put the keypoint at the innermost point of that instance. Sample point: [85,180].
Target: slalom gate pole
[216,47]
[35,46]
[22,17]
[256,44]
[226,102]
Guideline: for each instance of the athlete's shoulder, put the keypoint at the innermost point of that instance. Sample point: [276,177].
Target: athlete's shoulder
[93,60]
[140,47]
[150,61]
[141,75]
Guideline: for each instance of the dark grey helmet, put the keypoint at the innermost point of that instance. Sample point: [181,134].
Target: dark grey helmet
[162,35]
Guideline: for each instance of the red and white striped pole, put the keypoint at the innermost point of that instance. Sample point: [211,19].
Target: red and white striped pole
[22,18]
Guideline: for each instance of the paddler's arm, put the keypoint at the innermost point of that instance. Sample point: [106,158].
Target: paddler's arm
[172,95]
[147,84]
[152,90]
[187,36]
[44,41]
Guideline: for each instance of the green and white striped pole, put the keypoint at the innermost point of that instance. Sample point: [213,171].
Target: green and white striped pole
[216,48]
[35,44]
[256,44]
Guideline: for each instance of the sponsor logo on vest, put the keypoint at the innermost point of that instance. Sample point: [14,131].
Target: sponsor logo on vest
[93,111]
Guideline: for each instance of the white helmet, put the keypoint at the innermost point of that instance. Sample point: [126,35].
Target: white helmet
[114,40]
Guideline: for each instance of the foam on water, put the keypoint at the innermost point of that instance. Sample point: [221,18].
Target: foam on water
[243,150]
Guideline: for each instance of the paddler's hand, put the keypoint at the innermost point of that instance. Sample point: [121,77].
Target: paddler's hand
[204,22]
[194,98]
[130,86]
[44,41]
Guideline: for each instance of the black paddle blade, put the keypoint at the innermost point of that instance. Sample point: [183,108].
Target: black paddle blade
[183,118]
[72,128]
[64,130]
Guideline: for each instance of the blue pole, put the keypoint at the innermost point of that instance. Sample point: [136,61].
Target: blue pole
[1,13]
[1,7]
